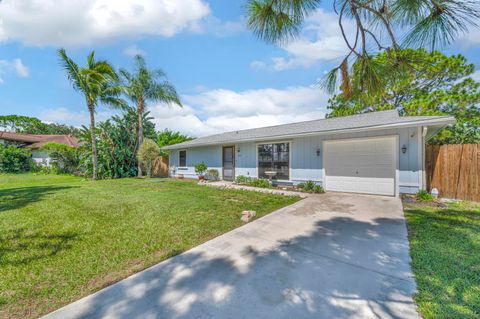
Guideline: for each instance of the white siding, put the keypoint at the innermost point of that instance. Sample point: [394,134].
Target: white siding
[41,157]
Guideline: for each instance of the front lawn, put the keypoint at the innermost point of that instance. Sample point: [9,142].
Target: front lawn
[62,237]
[445,249]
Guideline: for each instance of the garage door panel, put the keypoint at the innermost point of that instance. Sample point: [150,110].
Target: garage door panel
[342,172]
[361,166]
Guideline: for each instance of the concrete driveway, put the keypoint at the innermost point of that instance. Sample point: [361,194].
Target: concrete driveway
[327,256]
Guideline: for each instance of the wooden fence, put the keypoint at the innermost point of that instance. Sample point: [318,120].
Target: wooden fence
[454,170]
[160,167]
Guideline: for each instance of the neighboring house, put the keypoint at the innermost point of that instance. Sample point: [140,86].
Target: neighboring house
[374,153]
[35,143]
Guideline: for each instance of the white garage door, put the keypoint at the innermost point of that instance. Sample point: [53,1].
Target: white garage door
[361,165]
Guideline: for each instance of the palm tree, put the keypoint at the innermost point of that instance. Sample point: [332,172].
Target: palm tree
[144,86]
[380,25]
[97,82]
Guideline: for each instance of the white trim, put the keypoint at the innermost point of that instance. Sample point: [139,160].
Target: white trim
[409,184]
[419,154]
[186,165]
[442,121]
[396,140]
[397,165]
[424,169]
[306,179]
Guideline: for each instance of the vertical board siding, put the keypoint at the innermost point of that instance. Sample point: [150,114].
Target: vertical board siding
[211,155]
[160,166]
[305,164]
[454,170]
[246,160]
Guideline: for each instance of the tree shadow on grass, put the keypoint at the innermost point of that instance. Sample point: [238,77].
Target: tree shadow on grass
[14,198]
[20,247]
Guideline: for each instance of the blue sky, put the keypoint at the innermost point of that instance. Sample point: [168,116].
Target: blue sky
[226,77]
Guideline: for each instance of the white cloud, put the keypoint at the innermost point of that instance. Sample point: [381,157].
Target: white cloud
[14,66]
[133,50]
[76,118]
[219,28]
[471,38]
[221,110]
[476,75]
[82,22]
[20,68]
[320,40]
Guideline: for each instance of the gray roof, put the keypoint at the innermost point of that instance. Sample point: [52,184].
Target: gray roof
[364,121]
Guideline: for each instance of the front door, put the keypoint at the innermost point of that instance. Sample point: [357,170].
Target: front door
[229,163]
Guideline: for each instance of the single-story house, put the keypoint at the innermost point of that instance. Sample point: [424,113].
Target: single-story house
[373,153]
[35,143]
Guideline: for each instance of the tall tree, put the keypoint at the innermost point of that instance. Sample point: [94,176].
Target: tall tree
[97,81]
[168,137]
[117,139]
[20,124]
[381,26]
[144,86]
[32,125]
[435,84]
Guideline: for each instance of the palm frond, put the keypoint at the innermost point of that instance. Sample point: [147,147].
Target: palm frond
[143,85]
[114,102]
[140,62]
[106,69]
[72,70]
[278,21]
[329,81]
[125,75]
[165,93]
[443,23]
[408,12]
[91,60]
[371,82]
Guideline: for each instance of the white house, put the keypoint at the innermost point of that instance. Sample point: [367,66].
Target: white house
[374,153]
[35,142]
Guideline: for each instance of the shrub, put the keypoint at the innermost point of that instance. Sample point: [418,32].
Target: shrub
[318,189]
[64,158]
[147,153]
[243,180]
[424,196]
[213,174]
[260,182]
[307,186]
[311,187]
[254,182]
[116,145]
[14,160]
[200,168]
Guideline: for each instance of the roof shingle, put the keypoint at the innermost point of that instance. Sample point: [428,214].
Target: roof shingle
[37,141]
[359,121]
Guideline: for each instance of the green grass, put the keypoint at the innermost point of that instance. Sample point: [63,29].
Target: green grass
[62,237]
[445,249]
